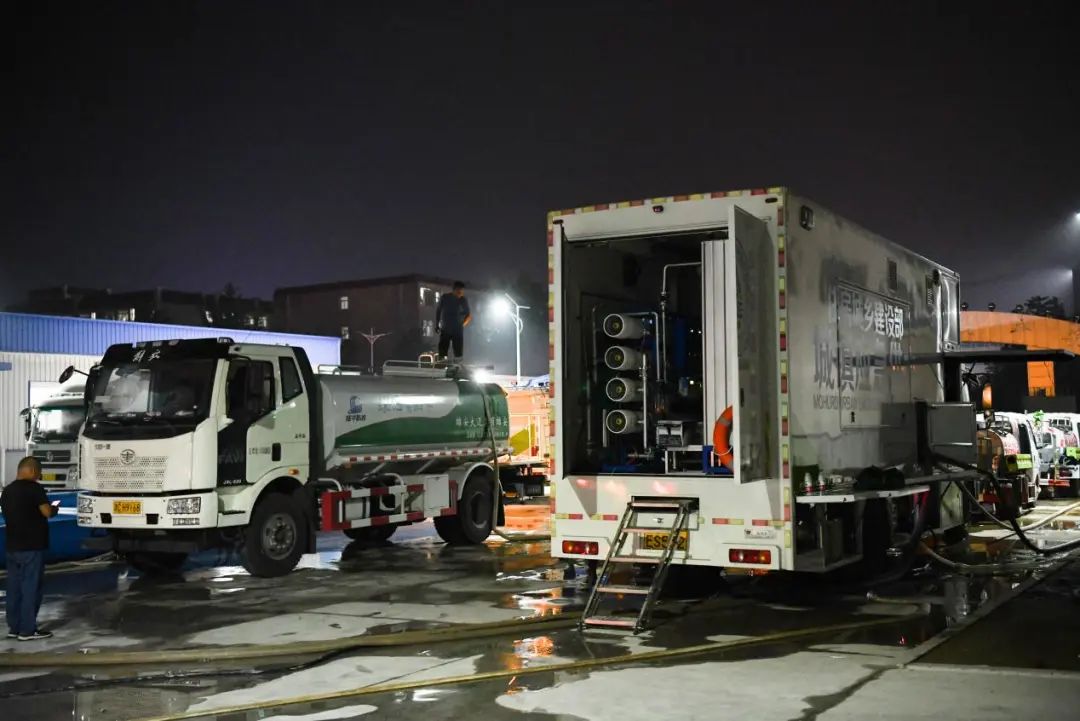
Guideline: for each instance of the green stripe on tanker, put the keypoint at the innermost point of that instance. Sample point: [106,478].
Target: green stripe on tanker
[385,414]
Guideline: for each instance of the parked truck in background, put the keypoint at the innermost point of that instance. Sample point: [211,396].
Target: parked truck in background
[524,473]
[1064,478]
[52,432]
[1030,455]
[758,365]
[193,444]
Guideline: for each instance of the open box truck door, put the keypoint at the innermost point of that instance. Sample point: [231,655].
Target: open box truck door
[753,357]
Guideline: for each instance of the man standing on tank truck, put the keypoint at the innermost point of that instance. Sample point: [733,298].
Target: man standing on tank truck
[451,317]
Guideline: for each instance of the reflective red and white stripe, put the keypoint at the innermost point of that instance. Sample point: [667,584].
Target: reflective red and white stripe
[425,455]
[333,506]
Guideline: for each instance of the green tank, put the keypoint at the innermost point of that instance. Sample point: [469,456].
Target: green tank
[378,415]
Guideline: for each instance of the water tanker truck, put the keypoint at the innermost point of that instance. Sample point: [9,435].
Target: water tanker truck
[194,444]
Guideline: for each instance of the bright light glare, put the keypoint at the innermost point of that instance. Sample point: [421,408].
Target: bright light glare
[482,375]
[501,306]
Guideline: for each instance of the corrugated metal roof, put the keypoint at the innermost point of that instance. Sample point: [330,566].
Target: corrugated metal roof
[24,333]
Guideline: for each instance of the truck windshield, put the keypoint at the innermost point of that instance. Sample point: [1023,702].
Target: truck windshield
[57,424]
[177,391]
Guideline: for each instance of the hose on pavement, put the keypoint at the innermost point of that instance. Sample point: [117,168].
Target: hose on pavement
[542,668]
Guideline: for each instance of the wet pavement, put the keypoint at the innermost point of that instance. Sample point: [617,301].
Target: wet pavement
[416,582]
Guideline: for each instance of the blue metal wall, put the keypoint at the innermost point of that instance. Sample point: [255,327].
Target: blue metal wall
[22,333]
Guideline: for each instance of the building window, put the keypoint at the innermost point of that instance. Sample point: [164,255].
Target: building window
[126,315]
[249,320]
[344,302]
[428,327]
[263,321]
[344,332]
[428,296]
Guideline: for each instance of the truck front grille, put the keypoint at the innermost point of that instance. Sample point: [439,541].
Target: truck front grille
[53,456]
[143,473]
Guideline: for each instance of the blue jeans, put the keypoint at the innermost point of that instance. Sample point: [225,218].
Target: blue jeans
[25,573]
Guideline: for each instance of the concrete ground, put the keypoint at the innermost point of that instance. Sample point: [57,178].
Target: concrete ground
[1020,660]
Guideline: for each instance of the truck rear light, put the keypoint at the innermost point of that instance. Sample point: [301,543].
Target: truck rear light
[750,555]
[581,548]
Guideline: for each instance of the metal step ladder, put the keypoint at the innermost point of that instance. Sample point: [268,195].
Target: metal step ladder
[679,509]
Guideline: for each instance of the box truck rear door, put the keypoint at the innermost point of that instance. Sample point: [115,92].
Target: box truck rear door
[757,426]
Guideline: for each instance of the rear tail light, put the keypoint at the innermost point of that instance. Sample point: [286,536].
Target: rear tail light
[581,548]
[750,555]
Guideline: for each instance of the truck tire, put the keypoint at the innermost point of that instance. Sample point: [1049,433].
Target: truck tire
[274,539]
[371,534]
[472,524]
[151,563]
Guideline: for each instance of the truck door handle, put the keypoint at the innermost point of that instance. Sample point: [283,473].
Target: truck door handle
[275,452]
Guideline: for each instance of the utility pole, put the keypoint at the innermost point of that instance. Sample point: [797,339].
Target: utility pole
[509,307]
[371,338]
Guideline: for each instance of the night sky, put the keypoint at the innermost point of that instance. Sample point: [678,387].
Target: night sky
[188,145]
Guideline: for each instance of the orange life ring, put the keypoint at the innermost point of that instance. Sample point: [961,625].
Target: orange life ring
[721,438]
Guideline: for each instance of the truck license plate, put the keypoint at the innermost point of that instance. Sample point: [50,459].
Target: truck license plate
[127,508]
[48,476]
[659,541]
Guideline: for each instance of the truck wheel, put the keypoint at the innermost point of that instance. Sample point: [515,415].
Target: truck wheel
[156,564]
[472,524]
[274,540]
[371,534]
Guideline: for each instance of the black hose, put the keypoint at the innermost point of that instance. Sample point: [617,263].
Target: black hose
[1013,512]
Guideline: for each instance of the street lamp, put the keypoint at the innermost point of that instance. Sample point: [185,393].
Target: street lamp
[371,338]
[509,307]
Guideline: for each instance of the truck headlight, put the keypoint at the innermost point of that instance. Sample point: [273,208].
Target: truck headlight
[183,505]
[86,504]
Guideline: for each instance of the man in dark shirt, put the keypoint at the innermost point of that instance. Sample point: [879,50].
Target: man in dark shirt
[451,317]
[26,515]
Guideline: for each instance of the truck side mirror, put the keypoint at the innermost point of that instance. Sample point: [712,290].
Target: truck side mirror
[260,389]
[236,389]
[25,415]
[66,375]
[90,390]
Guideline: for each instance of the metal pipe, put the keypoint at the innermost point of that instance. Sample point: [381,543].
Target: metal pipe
[656,347]
[645,401]
[589,410]
[663,310]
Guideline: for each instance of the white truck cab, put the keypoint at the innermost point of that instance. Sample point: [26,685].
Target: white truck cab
[52,432]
